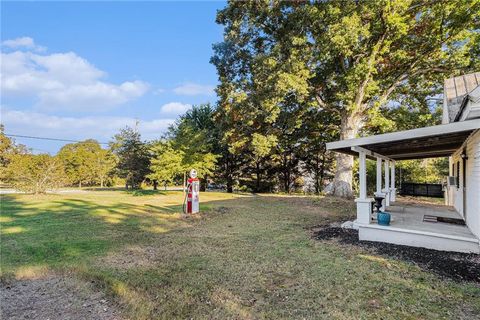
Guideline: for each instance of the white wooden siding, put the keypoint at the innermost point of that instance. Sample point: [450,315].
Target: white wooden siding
[472,147]
[455,194]
[473,183]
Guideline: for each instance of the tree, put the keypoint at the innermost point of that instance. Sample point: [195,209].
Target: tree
[133,157]
[79,160]
[194,136]
[104,165]
[8,149]
[166,162]
[36,173]
[229,165]
[351,57]
[318,128]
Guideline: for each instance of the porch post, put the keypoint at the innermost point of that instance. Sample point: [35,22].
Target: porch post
[387,184]
[393,190]
[379,175]
[364,204]
[378,192]
[362,172]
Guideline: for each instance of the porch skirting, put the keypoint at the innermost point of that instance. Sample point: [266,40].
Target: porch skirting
[416,238]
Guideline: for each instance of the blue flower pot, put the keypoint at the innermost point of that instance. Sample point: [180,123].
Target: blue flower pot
[383,218]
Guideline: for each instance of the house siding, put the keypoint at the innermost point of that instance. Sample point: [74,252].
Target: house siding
[472,214]
[473,183]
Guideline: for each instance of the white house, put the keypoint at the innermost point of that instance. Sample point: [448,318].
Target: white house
[458,137]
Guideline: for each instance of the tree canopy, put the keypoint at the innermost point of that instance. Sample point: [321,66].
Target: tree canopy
[349,58]
[133,157]
[86,162]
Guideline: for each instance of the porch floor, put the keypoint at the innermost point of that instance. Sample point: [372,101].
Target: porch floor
[410,216]
[408,228]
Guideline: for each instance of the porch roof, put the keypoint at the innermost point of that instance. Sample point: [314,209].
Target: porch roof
[427,142]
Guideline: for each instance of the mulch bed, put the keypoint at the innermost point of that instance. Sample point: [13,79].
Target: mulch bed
[452,265]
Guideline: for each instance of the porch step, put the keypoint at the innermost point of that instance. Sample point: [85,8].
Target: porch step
[417,238]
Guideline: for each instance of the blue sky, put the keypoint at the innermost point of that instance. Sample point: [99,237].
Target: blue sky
[78,70]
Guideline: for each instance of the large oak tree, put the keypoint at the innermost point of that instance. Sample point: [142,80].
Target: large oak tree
[350,58]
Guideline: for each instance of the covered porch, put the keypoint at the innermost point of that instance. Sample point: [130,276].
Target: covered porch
[408,225]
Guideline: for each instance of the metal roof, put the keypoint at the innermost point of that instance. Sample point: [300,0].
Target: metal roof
[455,89]
[427,142]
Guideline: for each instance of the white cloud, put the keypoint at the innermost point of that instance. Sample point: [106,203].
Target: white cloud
[175,108]
[62,81]
[101,128]
[194,89]
[97,94]
[158,91]
[23,42]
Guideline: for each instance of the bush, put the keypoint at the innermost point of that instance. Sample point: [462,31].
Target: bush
[35,173]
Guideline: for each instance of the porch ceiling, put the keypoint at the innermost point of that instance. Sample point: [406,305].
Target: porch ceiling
[428,142]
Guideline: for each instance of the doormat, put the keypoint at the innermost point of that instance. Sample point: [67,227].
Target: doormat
[429,218]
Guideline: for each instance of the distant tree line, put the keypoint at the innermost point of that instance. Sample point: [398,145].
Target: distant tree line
[79,164]
[292,160]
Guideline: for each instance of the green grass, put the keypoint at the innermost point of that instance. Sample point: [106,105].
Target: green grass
[245,257]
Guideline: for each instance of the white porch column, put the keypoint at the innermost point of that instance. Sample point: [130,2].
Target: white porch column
[393,190]
[387,184]
[378,192]
[379,176]
[364,204]
[362,172]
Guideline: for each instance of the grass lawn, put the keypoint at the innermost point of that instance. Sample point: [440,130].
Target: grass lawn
[244,257]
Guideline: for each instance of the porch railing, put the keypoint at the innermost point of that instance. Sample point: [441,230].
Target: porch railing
[422,189]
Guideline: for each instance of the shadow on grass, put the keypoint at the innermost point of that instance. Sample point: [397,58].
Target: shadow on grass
[142,192]
[133,192]
[60,232]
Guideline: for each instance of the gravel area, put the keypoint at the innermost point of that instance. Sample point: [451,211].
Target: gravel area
[54,297]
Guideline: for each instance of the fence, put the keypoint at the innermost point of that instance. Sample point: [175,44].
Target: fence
[422,189]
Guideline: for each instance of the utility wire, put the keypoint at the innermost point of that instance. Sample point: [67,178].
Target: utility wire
[43,138]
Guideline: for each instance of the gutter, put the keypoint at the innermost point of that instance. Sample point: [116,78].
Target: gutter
[462,108]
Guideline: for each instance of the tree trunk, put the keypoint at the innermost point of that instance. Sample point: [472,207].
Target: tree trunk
[80,184]
[155,185]
[286,174]
[341,186]
[322,173]
[257,184]
[286,184]
[229,183]
[203,184]
[101,183]
[229,175]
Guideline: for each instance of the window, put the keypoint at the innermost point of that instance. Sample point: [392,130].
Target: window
[458,174]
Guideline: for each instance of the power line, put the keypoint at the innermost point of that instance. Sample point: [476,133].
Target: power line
[44,138]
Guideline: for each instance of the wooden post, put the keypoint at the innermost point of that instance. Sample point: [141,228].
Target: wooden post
[393,190]
[364,204]
[379,176]
[363,175]
[387,184]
